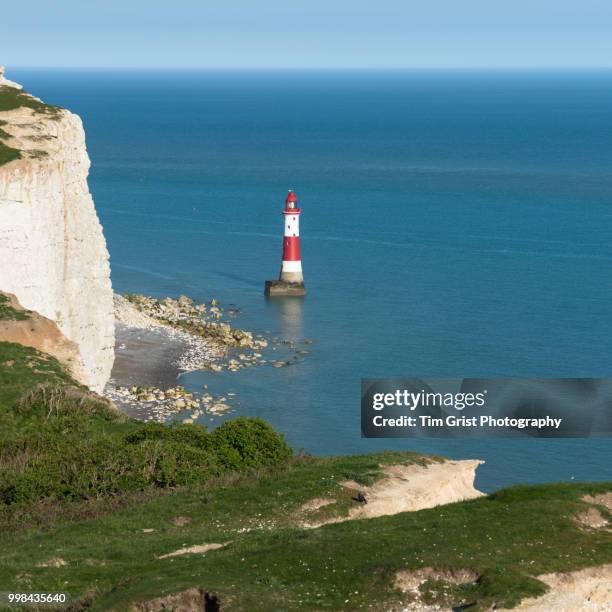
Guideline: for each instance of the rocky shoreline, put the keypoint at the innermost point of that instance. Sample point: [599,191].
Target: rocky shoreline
[158,339]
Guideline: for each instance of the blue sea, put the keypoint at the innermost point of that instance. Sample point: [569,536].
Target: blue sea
[454,224]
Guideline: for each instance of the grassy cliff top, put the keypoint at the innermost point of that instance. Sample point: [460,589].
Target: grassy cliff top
[12,98]
[92,503]
[268,562]
[60,443]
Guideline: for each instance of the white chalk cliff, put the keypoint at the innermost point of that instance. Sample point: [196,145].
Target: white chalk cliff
[53,254]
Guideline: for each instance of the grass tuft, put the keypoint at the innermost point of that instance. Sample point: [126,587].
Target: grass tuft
[7,312]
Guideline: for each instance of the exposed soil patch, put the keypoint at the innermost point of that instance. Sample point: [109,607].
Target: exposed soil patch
[57,562]
[411,581]
[192,550]
[191,600]
[592,518]
[584,590]
[604,499]
[44,335]
[316,503]
[407,488]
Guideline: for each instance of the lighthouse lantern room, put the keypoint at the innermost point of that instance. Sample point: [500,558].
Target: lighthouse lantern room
[291,280]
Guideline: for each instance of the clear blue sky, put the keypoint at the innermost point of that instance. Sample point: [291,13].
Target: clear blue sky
[307,33]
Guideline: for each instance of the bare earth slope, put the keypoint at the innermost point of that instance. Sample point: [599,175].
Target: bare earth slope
[402,488]
[42,334]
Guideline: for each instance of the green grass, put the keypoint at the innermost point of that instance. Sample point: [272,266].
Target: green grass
[271,564]
[81,483]
[7,312]
[21,368]
[60,442]
[8,154]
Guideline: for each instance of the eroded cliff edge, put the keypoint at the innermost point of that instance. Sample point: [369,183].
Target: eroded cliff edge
[52,248]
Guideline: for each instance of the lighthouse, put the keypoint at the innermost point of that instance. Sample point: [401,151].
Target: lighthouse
[291,279]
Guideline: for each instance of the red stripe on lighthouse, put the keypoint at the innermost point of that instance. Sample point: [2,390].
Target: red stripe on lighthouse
[291,248]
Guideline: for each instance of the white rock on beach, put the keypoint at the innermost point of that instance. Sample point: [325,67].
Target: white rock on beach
[129,315]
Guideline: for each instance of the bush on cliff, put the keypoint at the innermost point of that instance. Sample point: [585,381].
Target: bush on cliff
[42,467]
[237,444]
[59,441]
[246,442]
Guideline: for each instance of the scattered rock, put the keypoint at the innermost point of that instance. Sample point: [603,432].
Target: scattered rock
[208,343]
[181,521]
[218,408]
[55,562]
[409,581]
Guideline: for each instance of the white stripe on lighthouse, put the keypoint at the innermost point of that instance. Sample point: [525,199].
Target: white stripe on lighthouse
[292,225]
[291,266]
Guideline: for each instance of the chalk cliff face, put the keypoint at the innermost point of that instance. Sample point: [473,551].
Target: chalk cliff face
[52,250]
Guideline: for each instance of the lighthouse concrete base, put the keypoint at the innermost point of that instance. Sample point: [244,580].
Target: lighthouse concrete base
[279,288]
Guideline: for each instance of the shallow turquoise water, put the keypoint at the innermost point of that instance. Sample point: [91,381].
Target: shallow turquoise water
[454,224]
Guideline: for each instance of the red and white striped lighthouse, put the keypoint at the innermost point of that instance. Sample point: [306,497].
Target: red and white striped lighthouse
[291,266]
[291,279]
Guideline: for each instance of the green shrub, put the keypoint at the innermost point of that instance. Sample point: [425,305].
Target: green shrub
[46,466]
[245,442]
[172,464]
[67,443]
[58,440]
[193,435]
